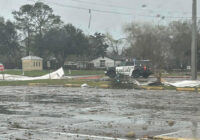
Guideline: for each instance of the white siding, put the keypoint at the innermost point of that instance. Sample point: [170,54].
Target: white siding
[108,62]
[117,63]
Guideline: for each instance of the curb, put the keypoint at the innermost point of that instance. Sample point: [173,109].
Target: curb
[177,77]
[171,138]
[152,88]
[188,89]
[172,77]
[37,84]
[72,85]
[104,86]
[79,85]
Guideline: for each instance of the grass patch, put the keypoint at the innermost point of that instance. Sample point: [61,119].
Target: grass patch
[59,82]
[43,72]
[84,72]
[26,73]
[120,85]
[169,87]
[176,74]
[91,83]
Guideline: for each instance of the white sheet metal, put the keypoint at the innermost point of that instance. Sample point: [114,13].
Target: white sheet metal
[186,83]
[58,74]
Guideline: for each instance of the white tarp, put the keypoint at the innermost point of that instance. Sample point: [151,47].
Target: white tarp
[54,75]
[186,83]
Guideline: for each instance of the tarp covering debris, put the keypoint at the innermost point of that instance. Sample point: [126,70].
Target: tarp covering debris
[58,74]
[181,84]
[186,83]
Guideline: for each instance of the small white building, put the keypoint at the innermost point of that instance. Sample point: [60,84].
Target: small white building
[104,62]
[30,63]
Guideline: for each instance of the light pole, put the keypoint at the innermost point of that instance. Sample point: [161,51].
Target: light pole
[194,40]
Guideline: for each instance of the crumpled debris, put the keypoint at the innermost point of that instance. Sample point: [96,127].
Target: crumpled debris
[59,74]
[186,83]
[85,85]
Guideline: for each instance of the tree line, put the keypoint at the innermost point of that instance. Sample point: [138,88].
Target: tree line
[36,30]
[168,47]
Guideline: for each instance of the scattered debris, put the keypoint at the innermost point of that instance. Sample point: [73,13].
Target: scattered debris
[186,83]
[170,123]
[16,125]
[85,85]
[145,127]
[131,135]
[59,74]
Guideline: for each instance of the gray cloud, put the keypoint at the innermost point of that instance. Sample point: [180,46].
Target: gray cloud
[108,22]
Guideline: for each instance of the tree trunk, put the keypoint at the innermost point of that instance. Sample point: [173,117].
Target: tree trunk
[28,44]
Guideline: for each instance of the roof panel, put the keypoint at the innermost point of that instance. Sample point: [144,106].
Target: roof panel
[32,58]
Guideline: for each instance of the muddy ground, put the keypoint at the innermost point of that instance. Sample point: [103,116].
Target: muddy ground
[48,113]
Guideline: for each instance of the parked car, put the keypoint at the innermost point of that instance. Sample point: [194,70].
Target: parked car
[133,69]
[1,67]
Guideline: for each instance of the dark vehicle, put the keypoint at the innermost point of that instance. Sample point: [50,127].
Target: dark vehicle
[135,69]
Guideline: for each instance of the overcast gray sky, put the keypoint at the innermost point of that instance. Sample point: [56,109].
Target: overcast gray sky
[128,11]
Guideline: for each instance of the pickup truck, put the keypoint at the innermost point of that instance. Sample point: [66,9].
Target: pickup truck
[135,69]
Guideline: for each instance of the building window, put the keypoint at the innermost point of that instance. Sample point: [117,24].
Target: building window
[102,63]
[36,64]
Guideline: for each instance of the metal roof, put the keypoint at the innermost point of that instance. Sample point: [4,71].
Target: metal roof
[32,58]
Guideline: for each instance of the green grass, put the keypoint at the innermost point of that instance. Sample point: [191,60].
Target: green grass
[169,87]
[81,72]
[26,73]
[60,82]
[14,72]
[176,74]
[43,72]
[84,72]
[54,82]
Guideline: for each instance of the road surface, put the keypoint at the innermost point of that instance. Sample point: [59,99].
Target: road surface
[48,113]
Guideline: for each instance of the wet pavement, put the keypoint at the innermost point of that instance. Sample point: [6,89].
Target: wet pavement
[48,113]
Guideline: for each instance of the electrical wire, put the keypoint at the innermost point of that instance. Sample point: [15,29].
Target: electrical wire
[126,8]
[110,12]
[101,4]
[83,8]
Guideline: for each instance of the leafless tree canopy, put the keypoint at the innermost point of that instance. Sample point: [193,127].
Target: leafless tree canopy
[167,46]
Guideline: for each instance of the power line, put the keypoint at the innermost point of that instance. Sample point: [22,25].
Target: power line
[86,9]
[111,12]
[101,4]
[116,6]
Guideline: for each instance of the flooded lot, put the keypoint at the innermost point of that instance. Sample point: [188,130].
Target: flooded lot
[48,113]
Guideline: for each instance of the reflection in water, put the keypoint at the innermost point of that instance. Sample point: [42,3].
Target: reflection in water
[194,129]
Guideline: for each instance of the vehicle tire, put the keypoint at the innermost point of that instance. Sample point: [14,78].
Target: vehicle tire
[145,75]
[111,74]
[135,74]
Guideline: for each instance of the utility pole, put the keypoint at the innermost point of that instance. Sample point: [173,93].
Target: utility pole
[90,12]
[194,40]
